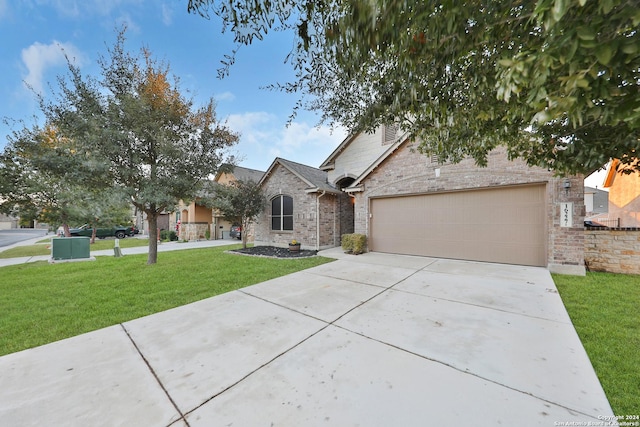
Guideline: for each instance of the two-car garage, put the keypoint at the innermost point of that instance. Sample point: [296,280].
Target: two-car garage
[498,224]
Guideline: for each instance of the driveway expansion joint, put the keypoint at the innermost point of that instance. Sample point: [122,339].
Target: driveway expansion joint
[153,372]
[467,372]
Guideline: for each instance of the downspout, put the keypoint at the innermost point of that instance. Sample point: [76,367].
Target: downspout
[318,220]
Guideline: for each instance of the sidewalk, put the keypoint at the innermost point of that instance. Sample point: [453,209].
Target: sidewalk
[162,247]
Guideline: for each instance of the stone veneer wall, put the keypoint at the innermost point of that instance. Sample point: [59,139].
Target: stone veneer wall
[305,206]
[612,250]
[193,231]
[409,172]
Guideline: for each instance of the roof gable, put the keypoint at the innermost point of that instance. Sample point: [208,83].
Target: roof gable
[314,178]
[239,173]
[327,164]
[392,148]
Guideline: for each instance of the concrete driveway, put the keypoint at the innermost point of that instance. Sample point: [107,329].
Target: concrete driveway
[369,340]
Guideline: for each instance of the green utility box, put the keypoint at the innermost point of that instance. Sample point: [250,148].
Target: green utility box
[70,248]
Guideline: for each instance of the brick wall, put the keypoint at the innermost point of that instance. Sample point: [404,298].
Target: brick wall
[409,172]
[615,251]
[305,209]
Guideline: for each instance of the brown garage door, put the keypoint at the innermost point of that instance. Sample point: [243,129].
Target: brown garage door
[505,225]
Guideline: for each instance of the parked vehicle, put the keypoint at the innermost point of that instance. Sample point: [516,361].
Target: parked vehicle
[117,231]
[236,232]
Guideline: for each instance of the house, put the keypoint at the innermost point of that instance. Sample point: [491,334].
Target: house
[226,177]
[8,222]
[302,206]
[407,203]
[624,195]
[596,202]
[195,221]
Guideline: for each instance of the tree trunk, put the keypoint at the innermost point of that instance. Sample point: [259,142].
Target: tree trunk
[153,238]
[93,235]
[245,229]
[65,227]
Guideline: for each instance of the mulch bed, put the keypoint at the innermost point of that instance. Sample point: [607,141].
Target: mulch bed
[274,252]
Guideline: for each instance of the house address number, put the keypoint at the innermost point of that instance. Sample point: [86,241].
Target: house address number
[566,214]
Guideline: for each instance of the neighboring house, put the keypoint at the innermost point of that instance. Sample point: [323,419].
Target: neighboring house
[195,219]
[596,202]
[222,226]
[407,203]
[8,222]
[624,195]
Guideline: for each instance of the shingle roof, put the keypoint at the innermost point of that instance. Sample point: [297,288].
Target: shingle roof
[246,174]
[314,177]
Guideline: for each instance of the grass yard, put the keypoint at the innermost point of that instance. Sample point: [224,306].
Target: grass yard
[43,302]
[605,310]
[44,248]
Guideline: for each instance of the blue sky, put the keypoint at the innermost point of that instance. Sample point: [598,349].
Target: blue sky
[34,32]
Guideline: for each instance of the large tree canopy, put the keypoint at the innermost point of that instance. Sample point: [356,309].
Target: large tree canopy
[139,133]
[46,177]
[556,81]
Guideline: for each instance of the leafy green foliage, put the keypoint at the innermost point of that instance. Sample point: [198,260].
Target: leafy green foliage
[45,177]
[155,146]
[239,202]
[556,81]
[354,243]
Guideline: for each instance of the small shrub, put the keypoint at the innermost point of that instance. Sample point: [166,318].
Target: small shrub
[347,243]
[168,235]
[354,243]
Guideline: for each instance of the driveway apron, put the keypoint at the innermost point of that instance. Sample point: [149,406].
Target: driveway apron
[368,340]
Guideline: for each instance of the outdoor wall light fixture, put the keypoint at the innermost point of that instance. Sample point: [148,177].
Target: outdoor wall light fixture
[566,185]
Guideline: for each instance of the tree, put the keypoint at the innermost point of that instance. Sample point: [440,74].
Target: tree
[44,178]
[556,81]
[238,202]
[155,145]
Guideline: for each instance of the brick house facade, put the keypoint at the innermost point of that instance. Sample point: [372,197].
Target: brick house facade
[405,172]
[383,167]
[320,211]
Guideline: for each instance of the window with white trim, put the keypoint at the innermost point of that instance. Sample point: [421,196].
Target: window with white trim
[282,213]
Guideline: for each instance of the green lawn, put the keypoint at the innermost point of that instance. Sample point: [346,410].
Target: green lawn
[44,248]
[43,302]
[605,310]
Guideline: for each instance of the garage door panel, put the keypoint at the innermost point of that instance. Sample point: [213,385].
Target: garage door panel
[498,225]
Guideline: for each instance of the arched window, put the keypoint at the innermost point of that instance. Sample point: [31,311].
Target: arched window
[282,213]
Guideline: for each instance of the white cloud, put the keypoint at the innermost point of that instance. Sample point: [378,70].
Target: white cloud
[225,96]
[38,58]
[167,14]
[126,20]
[4,8]
[79,8]
[265,136]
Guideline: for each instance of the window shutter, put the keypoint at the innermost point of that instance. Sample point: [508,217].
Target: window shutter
[390,133]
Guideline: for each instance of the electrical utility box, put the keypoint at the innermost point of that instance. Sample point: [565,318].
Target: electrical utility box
[70,248]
